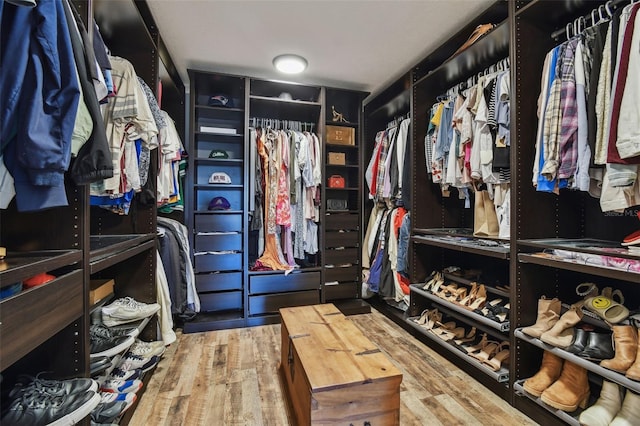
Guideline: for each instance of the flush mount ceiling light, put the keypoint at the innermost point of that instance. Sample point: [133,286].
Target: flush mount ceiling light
[290,64]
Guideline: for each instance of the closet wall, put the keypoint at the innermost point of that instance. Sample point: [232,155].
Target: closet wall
[46,328]
[572,220]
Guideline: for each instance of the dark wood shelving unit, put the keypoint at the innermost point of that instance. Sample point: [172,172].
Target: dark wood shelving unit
[18,266]
[285,101]
[109,250]
[497,252]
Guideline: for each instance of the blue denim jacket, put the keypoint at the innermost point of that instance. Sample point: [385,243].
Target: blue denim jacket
[403,245]
[39,97]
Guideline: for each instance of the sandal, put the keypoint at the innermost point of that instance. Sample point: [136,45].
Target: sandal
[480,299]
[501,356]
[443,328]
[423,317]
[433,317]
[486,351]
[456,333]
[471,295]
[432,279]
[470,336]
[606,307]
[477,346]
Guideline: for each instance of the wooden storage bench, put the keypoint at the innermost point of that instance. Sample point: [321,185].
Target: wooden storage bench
[332,373]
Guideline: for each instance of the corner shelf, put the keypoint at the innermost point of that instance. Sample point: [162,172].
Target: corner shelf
[433,240]
[500,376]
[501,327]
[591,366]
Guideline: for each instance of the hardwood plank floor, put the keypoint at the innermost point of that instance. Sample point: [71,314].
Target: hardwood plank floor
[229,377]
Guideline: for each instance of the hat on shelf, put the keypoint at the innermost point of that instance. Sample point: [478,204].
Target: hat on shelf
[220,100]
[219,203]
[219,177]
[218,153]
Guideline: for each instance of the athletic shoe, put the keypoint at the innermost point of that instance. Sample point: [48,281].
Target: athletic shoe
[109,332]
[128,398]
[108,412]
[147,349]
[124,374]
[121,386]
[99,364]
[135,362]
[127,310]
[37,407]
[27,384]
[103,344]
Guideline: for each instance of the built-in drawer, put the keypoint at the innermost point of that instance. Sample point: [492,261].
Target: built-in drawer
[342,239]
[218,222]
[277,283]
[218,242]
[217,262]
[341,256]
[225,301]
[219,281]
[351,273]
[270,303]
[341,291]
[336,222]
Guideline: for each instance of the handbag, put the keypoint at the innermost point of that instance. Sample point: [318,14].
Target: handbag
[485,220]
[336,181]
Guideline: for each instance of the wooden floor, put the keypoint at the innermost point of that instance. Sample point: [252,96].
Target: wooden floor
[229,377]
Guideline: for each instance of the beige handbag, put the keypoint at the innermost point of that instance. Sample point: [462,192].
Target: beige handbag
[485,220]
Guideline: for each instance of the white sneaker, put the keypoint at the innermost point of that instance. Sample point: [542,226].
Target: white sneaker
[147,349]
[125,310]
[134,362]
[107,397]
[121,386]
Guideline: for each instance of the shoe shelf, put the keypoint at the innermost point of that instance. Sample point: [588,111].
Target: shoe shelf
[500,376]
[108,250]
[610,375]
[463,244]
[481,319]
[139,325]
[468,282]
[545,259]
[479,327]
[562,415]
[18,266]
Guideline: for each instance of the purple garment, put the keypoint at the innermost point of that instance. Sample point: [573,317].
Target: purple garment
[569,124]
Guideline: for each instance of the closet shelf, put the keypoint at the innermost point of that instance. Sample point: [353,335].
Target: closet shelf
[589,365]
[205,160]
[468,282]
[461,244]
[602,271]
[108,250]
[582,245]
[218,212]
[219,135]
[342,189]
[309,269]
[562,415]
[284,101]
[337,145]
[502,327]
[217,186]
[341,211]
[218,108]
[341,124]
[18,266]
[500,376]
[498,335]
[342,166]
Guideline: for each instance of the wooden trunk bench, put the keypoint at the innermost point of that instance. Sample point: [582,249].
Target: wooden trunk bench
[332,373]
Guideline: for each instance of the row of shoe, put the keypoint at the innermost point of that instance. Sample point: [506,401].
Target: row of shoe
[473,298]
[560,331]
[491,354]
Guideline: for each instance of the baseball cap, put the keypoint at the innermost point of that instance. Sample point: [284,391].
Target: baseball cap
[220,100]
[219,203]
[219,177]
[218,153]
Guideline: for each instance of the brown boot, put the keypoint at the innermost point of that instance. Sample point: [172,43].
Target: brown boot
[625,343]
[548,314]
[634,371]
[561,333]
[570,390]
[548,373]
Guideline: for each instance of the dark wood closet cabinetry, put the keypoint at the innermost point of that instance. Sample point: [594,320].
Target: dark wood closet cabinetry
[46,328]
[571,221]
[224,111]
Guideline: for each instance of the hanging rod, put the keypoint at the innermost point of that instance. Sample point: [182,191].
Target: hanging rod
[611,4]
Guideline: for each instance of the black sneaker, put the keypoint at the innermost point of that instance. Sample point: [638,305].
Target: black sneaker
[99,364]
[109,332]
[26,384]
[37,407]
[103,344]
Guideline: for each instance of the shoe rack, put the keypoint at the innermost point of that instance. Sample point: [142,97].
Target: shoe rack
[46,328]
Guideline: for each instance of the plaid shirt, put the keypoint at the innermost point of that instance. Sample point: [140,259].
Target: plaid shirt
[569,127]
[381,170]
[552,121]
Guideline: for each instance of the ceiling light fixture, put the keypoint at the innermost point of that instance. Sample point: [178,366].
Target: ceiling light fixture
[290,64]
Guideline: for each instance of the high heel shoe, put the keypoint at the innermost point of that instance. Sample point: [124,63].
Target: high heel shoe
[470,295]
[468,338]
[486,352]
[450,335]
[480,299]
[477,346]
[433,317]
[431,280]
[443,328]
[423,317]
[501,357]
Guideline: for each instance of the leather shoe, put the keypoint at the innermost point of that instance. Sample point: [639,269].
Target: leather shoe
[579,341]
[598,347]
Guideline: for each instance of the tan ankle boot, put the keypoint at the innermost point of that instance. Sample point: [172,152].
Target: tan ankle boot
[561,333]
[629,414]
[606,407]
[570,390]
[548,315]
[549,372]
[634,371]
[625,343]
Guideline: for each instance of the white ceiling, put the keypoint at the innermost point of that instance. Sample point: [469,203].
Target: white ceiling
[355,44]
